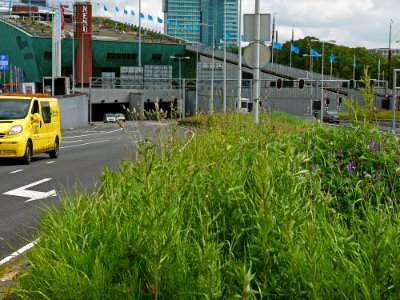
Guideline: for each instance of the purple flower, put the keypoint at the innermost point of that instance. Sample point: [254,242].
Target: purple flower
[371,145]
[313,168]
[322,187]
[398,160]
[364,195]
[376,176]
[387,185]
[349,166]
[321,174]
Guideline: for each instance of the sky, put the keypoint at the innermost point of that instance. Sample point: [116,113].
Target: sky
[352,23]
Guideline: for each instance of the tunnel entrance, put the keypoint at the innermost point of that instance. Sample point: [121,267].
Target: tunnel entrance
[99,109]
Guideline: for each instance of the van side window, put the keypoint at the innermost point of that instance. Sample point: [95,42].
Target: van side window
[46,112]
[35,107]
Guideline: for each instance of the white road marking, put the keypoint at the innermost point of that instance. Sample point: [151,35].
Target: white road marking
[83,135]
[16,171]
[32,195]
[77,141]
[84,144]
[51,162]
[18,252]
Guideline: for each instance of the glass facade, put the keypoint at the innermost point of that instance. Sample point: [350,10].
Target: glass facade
[219,15]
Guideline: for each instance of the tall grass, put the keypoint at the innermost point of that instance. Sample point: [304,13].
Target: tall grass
[234,210]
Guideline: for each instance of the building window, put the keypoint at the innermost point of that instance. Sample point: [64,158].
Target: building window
[121,56]
[48,55]
[156,57]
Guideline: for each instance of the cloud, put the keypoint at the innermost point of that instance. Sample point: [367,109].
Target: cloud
[356,23]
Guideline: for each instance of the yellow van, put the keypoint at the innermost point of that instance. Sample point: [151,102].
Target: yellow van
[29,125]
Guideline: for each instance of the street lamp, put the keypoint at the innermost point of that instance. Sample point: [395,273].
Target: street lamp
[210,110]
[322,76]
[179,58]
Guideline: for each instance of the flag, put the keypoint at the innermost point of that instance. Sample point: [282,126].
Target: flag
[149,17]
[125,12]
[332,57]
[62,22]
[354,61]
[187,27]
[178,25]
[116,9]
[105,8]
[294,49]
[141,15]
[221,42]
[314,53]
[227,35]
[276,45]
[132,12]
[159,20]
[196,27]
[168,22]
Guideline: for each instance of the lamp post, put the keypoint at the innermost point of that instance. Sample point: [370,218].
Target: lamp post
[210,110]
[179,58]
[322,76]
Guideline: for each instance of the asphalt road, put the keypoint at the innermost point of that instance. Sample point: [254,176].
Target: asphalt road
[24,189]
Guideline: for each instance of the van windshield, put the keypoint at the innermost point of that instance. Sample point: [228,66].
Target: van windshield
[12,109]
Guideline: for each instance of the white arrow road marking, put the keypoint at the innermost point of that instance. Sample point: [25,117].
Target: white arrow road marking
[32,195]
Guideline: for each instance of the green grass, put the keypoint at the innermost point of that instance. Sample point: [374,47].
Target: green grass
[288,209]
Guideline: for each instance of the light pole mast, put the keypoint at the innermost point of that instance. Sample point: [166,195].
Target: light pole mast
[239,88]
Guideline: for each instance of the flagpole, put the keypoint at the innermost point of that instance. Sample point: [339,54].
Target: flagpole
[291,43]
[140,34]
[331,64]
[224,83]
[273,37]
[239,89]
[354,66]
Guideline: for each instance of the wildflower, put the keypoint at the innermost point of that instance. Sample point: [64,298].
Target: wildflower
[371,145]
[322,187]
[364,195]
[376,176]
[387,185]
[321,174]
[398,160]
[313,168]
[349,166]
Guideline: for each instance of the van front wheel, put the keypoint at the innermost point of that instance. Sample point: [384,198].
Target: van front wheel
[27,158]
[54,153]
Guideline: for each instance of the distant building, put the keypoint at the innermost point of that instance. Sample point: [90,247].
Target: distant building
[384,51]
[183,17]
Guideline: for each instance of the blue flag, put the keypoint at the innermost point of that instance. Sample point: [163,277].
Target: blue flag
[187,27]
[168,22]
[125,12]
[196,27]
[178,25]
[159,20]
[116,9]
[149,17]
[294,49]
[142,15]
[105,8]
[379,65]
[332,57]
[314,53]
[276,45]
[354,61]
[132,12]
[227,35]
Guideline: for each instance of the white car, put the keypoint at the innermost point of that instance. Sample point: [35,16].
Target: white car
[120,117]
[109,118]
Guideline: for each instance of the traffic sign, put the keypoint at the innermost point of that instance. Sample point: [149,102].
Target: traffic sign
[4,62]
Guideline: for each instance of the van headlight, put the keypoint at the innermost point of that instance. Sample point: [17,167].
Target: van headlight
[15,130]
